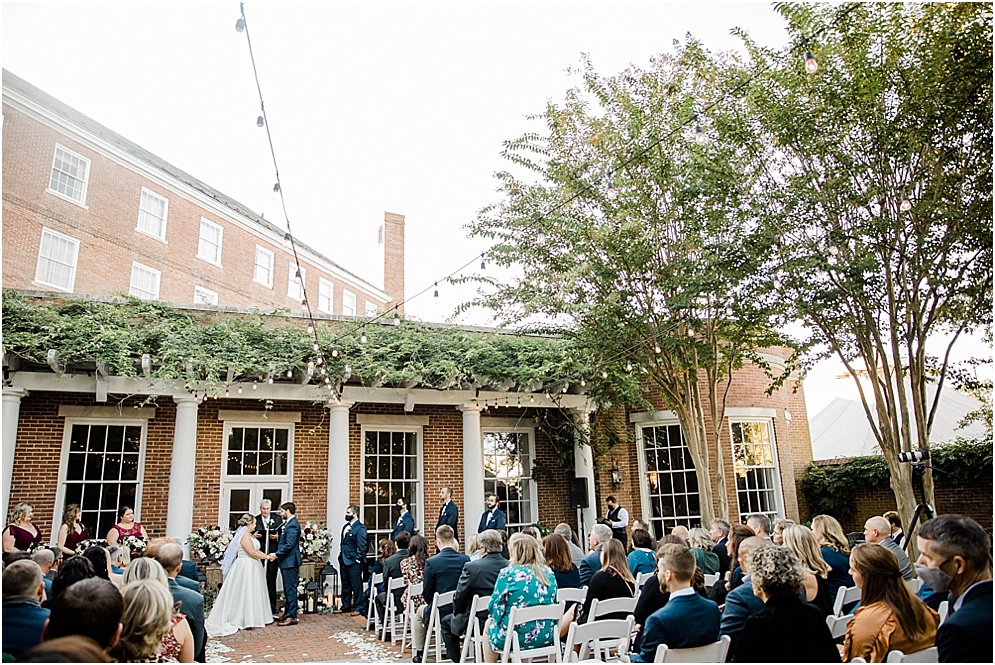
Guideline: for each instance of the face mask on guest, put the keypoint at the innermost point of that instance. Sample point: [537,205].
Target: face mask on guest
[348,517]
[937,579]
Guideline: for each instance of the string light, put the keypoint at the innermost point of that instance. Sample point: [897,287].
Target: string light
[310,329]
[240,389]
[483,261]
[604,374]
[690,331]
[657,348]
[276,188]
[290,374]
[729,311]
[335,352]
[315,347]
[906,204]
[811,66]
[699,135]
[240,25]
[833,249]
[260,121]
[611,192]
[254,386]
[628,365]
[227,393]
[397,319]
[436,294]
[362,337]
[777,283]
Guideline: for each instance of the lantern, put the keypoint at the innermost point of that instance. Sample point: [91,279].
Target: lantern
[311,597]
[328,582]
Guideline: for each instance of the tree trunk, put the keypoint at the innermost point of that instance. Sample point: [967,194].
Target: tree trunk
[693,431]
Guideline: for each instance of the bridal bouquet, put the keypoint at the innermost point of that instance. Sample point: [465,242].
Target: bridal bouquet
[316,540]
[209,544]
[81,547]
[136,544]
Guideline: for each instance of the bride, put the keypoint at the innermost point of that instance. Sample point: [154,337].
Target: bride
[243,601]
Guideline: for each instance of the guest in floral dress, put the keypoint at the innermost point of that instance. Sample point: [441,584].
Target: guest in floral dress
[413,571]
[525,582]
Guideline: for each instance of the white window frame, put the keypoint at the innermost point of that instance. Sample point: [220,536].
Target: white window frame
[256,265]
[230,481]
[295,287]
[644,493]
[61,482]
[372,310]
[146,192]
[72,273]
[81,201]
[213,260]
[200,291]
[135,265]
[419,482]
[526,472]
[778,488]
[326,295]
[348,296]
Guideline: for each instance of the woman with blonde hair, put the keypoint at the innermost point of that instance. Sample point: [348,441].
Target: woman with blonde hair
[525,582]
[20,535]
[178,643]
[148,608]
[889,616]
[798,539]
[71,531]
[835,550]
[777,534]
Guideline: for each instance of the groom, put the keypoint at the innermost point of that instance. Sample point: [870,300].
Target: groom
[288,554]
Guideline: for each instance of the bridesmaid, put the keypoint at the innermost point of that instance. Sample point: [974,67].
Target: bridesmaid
[21,535]
[126,526]
[72,532]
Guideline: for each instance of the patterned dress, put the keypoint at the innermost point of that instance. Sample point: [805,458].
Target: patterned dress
[171,646]
[413,573]
[518,586]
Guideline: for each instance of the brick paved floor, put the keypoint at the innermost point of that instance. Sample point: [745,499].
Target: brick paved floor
[318,637]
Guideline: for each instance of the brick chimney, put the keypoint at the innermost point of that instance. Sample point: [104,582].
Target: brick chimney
[393,258]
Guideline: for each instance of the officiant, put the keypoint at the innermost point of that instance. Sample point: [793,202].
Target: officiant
[268,525]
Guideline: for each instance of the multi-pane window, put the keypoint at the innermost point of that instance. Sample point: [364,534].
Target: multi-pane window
[670,480]
[209,247]
[102,472]
[262,270]
[755,464]
[348,303]
[57,260]
[390,471]
[69,174]
[325,295]
[258,451]
[152,211]
[144,282]
[508,475]
[371,309]
[295,282]
[202,296]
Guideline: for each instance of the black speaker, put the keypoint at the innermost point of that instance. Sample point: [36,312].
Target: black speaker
[578,493]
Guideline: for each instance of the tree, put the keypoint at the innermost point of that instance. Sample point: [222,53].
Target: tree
[879,168]
[638,241]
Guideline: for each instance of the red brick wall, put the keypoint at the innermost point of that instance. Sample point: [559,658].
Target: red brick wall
[393,267]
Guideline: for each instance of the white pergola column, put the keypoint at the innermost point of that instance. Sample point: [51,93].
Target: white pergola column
[179,511]
[473,471]
[338,498]
[11,413]
[584,468]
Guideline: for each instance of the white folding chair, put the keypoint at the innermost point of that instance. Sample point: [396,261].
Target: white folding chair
[930,655]
[943,610]
[513,651]
[598,639]
[473,634]
[409,615]
[434,628]
[371,607]
[914,585]
[393,621]
[571,595]
[642,577]
[710,653]
[711,579]
[600,608]
[845,596]
[837,625]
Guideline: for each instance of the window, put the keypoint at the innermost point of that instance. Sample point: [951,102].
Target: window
[57,260]
[144,282]
[102,471]
[670,486]
[325,293]
[754,460]
[209,247]
[508,474]
[258,451]
[69,175]
[371,309]
[202,296]
[262,271]
[152,210]
[390,471]
[295,282]
[348,303]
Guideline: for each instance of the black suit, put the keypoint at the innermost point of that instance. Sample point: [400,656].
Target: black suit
[442,574]
[449,514]
[962,637]
[720,549]
[269,545]
[478,578]
[802,635]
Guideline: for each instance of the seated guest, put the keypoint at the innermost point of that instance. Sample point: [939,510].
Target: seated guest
[178,643]
[413,570]
[652,597]
[720,536]
[90,608]
[799,540]
[23,615]
[897,533]
[477,579]
[800,629]
[878,530]
[386,548]
[600,534]
[188,576]
[737,534]
[701,547]
[392,570]
[687,620]
[473,547]
[777,536]
[741,603]
[889,616]
[120,558]
[576,553]
[532,531]
[641,559]
[524,582]
[45,558]
[835,550]
[73,569]
[557,554]
[614,580]
[955,555]
[100,561]
[170,557]
[442,571]
[145,621]
[760,524]
[681,532]
[69,649]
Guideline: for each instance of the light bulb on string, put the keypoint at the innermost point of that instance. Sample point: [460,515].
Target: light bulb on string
[483,262]
[254,384]
[611,192]
[811,66]
[729,311]
[583,383]
[362,336]
[436,294]
[777,283]
[335,352]
[319,359]
[287,240]
[657,348]
[541,233]
[690,331]
[240,389]
[290,373]
[276,188]
[260,121]
[240,25]
[833,249]
[315,347]
[310,329]
[906,204]
[699,135]
[628,365]
[397,319]
[227,393]
[532,399]
[604,374]
[269,380]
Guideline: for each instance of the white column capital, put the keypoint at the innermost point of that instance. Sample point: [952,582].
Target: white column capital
[185,399]
[336,407]
[470,408]
[15,393]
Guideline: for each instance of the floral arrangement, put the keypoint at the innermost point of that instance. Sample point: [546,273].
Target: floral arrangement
[81,547]
[136,544]
[316,540]
[209,544]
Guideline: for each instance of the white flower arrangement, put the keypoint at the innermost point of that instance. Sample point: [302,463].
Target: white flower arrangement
[83,544]
[136,544]
[316,540]
[208,544]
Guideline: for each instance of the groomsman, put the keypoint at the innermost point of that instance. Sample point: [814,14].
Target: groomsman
[351,557]
[405,522]
[493,517]
[449,515]
[268,526]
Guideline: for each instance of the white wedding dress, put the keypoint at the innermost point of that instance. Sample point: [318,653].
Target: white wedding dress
[243,601]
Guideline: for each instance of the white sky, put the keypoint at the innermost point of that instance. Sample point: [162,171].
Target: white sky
[374,107]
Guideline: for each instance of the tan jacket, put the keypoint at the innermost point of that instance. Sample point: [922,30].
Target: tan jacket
[874,631]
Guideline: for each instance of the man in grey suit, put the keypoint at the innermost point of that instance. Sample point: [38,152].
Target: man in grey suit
[576,553]
[600,534]
[478,578]
[170,556]
[878,530]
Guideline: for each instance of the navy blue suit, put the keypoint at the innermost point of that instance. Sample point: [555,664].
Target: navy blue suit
[288,555]
[962,637]
[188,569]
[404,523]
[191,604]
[352,555]
[720,549]
[188,583]
[442,574]
[492,520]
[23,619]
[590,565]
[741,604]
[449,514]
[684,622]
